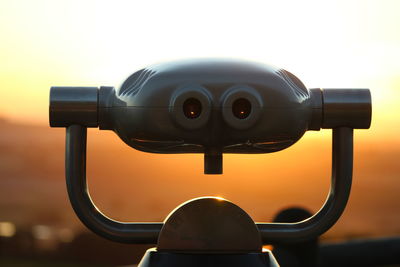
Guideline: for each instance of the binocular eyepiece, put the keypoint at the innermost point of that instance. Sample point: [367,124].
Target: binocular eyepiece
[211,107]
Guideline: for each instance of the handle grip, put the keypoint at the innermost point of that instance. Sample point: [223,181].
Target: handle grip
[88,213]
[325,218]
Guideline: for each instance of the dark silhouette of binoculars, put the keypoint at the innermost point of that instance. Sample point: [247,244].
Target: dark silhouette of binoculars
[211,107]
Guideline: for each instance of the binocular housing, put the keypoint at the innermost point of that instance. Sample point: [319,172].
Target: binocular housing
[211,107]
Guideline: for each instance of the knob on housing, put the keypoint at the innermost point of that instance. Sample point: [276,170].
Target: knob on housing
[347,108]
[73,105]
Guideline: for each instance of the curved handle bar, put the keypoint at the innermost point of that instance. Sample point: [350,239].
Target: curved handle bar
[147,233]
[342,170]
[88,213]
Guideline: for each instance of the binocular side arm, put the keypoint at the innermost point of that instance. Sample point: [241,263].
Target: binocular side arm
[88,213]
[342,169]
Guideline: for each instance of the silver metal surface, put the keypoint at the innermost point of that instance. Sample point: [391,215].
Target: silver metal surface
[342,169]
[73,105]
[88,213]
[209,225]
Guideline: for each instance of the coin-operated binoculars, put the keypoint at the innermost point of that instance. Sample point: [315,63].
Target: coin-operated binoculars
[211,107]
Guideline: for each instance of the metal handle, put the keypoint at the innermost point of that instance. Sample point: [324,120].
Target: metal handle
[88,213]
[147,233]
[342,170]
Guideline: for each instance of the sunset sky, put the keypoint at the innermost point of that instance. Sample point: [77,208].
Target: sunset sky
[348,44]
[327,44]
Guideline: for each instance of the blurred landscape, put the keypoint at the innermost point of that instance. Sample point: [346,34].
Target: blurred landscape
[134,186]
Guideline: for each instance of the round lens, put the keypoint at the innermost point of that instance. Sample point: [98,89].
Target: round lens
[241,108]
[192,108]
